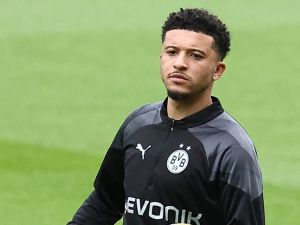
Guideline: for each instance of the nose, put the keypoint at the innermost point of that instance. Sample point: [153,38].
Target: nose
[180,62]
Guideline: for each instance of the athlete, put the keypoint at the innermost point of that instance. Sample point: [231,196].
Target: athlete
[182,160]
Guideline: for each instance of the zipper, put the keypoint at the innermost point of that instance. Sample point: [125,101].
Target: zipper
[150,181]
[172,126]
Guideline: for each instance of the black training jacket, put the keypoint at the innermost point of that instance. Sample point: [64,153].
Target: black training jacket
[201,170]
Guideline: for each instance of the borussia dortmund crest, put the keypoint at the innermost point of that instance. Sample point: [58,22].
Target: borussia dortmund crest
[178,160]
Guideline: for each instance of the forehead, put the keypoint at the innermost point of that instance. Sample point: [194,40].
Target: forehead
[188,39]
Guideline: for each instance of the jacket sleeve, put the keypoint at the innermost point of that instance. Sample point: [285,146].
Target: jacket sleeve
[240,188]
[105,205]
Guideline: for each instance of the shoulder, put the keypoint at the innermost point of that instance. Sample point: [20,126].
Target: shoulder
[142,116]
[143,112]
[145,109]
[238,163]
[221,133]
[233,133]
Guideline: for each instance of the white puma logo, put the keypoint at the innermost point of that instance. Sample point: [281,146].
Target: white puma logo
[140,147]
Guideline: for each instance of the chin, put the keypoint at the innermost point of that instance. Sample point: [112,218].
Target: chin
[177,96]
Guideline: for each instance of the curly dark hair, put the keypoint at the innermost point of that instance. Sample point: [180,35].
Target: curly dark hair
[200,20]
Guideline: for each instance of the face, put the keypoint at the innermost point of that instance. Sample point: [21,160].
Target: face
[189,64]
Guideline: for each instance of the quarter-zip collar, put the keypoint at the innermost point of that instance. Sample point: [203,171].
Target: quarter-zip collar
[198,118]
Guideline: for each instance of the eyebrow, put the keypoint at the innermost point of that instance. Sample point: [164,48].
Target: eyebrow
[189,49]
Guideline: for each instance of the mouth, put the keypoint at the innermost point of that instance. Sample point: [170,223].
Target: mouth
[178,76]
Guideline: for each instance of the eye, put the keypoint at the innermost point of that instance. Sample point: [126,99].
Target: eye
[171,52]
[196,56]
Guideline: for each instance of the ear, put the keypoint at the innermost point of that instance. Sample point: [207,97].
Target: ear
[220,68]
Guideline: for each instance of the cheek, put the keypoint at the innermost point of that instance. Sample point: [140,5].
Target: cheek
[163,67]
[162,71]
[166,61]
[205,70]
[204,75]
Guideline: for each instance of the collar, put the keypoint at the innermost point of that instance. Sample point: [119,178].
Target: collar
[198,118]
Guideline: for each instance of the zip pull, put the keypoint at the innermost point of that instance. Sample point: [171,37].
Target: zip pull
[180,224]
[172,126]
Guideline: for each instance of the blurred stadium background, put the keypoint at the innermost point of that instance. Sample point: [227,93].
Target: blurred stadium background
[71,71]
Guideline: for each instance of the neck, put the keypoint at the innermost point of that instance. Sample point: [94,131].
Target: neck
[179,109]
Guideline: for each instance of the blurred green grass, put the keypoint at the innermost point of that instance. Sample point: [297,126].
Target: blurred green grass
[70,72]
[37,184]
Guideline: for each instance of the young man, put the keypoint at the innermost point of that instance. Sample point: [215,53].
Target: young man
[183,160]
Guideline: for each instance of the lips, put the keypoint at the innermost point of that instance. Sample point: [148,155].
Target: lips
[178,75]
